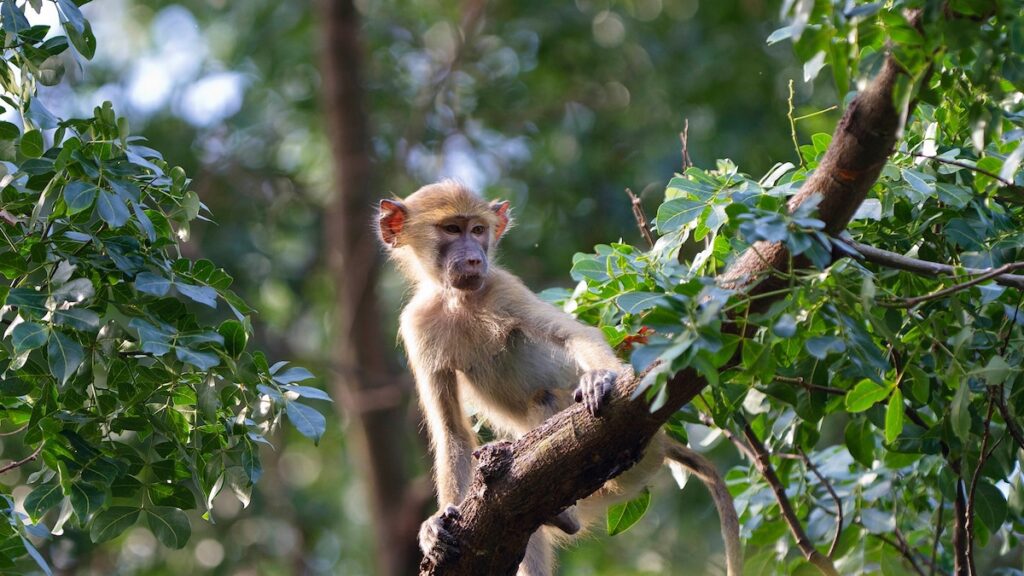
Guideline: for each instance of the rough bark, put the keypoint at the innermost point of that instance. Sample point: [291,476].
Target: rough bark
[370,395]
[573,454]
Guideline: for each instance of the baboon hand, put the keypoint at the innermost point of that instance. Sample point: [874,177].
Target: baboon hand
[436,542]
[594,388]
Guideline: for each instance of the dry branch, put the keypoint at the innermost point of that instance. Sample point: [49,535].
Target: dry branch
[572,454]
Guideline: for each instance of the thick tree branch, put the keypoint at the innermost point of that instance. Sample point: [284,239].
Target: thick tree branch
[570,456]
[924,267]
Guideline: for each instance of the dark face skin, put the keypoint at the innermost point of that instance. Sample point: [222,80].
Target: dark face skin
[462,252]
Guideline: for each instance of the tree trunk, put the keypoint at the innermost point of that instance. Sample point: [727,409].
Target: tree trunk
[369,390]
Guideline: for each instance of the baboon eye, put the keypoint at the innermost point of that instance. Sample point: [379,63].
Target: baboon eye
[478,230]
[452,228]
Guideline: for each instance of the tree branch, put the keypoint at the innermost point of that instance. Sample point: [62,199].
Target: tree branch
[17,463]
[572,454]
[988,275]
[641,218]
[764,465]
[903,548]
[970,167]
[960,563]
[938,534]
[835,498]
[925,267]
[982,456]
[1011,424]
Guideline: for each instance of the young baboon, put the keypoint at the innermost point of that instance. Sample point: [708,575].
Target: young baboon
[474,332]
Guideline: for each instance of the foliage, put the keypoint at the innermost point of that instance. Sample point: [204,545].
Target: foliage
[119,374]
[899,405]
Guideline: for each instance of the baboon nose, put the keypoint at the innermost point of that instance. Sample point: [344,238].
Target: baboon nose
[474,261]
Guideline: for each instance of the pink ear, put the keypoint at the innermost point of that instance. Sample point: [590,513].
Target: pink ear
[392,217]
[501,209]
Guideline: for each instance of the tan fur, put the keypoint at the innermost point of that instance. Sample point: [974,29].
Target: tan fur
[500,348]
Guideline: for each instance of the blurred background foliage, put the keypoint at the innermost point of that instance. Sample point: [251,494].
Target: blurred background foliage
[556,106]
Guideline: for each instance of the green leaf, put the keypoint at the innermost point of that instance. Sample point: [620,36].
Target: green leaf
[990,505]
[995,371]
[13,18]
[860,441]
[293,375]
[201,360]
[79,196]
[821,346]
[82,40]
[112,522]
[36,556]
[170,526]
[64,356]
[306,420]
[308,392]
[865,395]
[78,318]
[917,182]
[960,411]
[86,499]
[235,337]
[149,283]
[622,516]
[70,13]
[636,302]
[28,336]
[112,209]
[894,416]
[42,498]
[674,214]
[12,265]
[201,294]
[74,291]
[785,326]
[32,144]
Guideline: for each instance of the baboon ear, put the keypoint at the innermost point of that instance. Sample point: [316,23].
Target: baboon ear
[391,220]
[500,208]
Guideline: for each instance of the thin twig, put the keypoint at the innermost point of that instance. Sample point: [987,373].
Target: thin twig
[792,124]
[799,381]
[901,547]
[737,442]
[992,273]
[982,456]
[12,465]
[835,498]
[970,167]
[15,431]
[938,533]
[684,137]
[924,267]
[641,218]
[1011,424]
[764,465]
[816,113]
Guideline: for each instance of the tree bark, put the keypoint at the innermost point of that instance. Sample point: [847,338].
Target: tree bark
[370,392]
[517,486]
